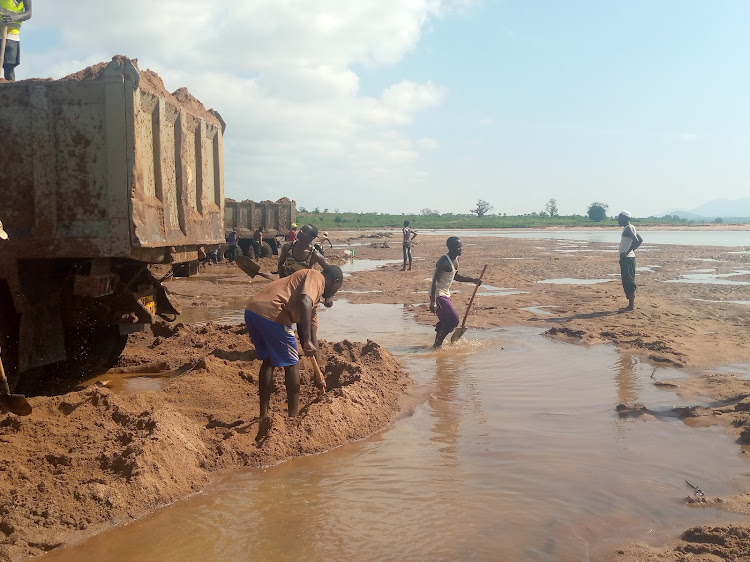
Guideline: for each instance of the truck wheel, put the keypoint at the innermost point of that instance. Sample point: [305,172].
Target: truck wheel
[9,325]
[265,250]
[92,349]
[117,350]
[273,244]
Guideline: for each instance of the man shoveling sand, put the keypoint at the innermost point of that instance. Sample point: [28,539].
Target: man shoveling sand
[269,318]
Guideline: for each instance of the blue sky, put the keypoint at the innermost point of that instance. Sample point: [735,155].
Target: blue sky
[397,106]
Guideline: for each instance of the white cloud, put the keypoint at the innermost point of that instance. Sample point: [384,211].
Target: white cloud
[428,143]
[283,74]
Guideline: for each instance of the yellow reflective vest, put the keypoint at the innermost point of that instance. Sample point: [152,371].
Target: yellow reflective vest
[16,7]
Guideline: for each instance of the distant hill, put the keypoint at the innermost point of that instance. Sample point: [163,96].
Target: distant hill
[730,210]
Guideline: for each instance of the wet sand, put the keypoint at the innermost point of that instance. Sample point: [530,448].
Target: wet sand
[98,457]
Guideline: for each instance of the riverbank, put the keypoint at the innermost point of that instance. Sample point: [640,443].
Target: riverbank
[91,459]
[106,454]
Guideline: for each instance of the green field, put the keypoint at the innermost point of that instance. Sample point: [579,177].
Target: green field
[367,221]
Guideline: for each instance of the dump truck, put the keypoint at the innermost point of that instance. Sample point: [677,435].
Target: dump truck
[104,174]
[276,218]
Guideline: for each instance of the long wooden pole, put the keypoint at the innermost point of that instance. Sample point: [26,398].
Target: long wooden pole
[2,48]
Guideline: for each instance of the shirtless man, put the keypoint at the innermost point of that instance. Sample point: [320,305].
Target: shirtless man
[629,243]
[409,235]
[301,254]
[446,270]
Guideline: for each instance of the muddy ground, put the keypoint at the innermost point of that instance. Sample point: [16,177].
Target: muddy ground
[97,456]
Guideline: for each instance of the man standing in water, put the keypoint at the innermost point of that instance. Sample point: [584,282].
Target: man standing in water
[409,235]
[446,270]
[629,243]
[269,318]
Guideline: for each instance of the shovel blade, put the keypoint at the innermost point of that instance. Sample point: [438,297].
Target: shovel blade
[458,334]
[15,403]
[247,265]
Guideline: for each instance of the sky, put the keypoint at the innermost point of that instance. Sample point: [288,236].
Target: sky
[397,106]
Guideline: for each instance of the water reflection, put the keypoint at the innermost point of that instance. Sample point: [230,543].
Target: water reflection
[515,453]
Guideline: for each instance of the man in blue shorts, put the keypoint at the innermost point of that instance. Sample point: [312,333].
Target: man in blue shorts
[269,317]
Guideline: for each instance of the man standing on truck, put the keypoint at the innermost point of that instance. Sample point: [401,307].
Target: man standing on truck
[269,318]
[232,239]
[13,13]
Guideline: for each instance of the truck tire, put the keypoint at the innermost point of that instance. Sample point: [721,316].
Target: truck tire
[117,350]
[9,325]
[265,250]
[273,244]
[91,350]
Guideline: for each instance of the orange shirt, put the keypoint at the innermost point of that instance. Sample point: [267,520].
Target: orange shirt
[279,301]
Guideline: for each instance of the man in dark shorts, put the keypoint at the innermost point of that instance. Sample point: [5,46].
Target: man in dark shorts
[446,270]
[269,318]
[233,238]
[257,242]
[409,236]
[629,243]
[13,12]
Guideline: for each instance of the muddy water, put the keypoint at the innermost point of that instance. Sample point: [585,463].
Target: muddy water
[512,451]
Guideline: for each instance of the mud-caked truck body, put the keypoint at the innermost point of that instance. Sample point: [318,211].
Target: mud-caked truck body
[100,178]
[276,218]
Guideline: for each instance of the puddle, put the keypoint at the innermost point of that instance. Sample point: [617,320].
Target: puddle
[129,383]
[516,452]
[706,276]
[723,302]
[343,292]
[647,268]
[355,265]
[726,238]
[539,309]
[490,291]
[570,281]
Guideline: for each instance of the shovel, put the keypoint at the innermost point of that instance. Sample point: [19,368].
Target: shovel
[15,403]
[250,267]
[2,47]
[318,373]
[459,332]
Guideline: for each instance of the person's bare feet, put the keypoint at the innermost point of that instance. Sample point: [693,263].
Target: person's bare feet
[626,309]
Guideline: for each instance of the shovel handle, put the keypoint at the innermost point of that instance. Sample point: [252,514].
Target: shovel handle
[2,47]
[463,324]
[317,371]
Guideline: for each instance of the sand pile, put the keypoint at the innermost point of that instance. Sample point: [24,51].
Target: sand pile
[151,82]
[94,458]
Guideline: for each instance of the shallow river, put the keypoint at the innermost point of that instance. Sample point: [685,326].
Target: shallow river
[512,451]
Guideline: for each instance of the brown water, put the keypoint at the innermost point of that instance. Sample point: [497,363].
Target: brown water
[513,452]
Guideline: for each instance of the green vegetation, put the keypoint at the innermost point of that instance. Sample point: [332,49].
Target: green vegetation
[433,219]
